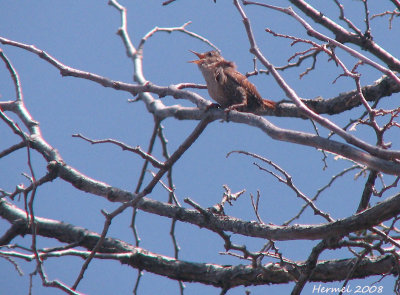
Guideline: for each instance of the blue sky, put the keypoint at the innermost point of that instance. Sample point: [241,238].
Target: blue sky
[82,34]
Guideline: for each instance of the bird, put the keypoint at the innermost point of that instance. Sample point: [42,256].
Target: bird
[228,87]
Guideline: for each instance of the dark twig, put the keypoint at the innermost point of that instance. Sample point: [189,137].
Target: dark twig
[322,189]
[309,267]
[141,178]
[255,206]
[137,150]
[286,179]
[368,190]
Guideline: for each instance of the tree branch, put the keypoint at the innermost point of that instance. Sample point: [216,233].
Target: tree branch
[226,276]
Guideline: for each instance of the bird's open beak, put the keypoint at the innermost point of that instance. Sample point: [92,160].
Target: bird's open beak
[199,55]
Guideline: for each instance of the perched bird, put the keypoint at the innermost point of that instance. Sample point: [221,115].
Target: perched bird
[229,88]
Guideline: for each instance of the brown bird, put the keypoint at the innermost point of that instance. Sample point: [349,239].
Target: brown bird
[229,88]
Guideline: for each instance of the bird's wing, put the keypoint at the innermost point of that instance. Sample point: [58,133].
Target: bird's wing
[241,79]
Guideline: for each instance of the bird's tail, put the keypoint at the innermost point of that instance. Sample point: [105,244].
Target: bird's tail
[269,104]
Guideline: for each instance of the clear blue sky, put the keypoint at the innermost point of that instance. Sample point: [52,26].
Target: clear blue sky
[81,34]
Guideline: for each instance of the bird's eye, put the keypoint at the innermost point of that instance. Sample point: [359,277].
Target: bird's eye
[209,54]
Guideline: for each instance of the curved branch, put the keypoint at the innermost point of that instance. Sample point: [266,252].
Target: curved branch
[159,108]
[50,154]
[365,220]
[351,139]
[343,102]
[226,276]
[344,36]
[346,101]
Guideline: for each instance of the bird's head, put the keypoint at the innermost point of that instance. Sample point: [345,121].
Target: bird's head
[207,58]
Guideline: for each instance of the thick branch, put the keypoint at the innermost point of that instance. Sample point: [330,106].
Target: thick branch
[384,87]
[365,220]
[346,101]
[225,276]
[351,139]
[344,36]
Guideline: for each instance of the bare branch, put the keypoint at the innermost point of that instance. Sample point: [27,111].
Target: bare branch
[291,93]
[175,29]
[136,150]
[392,15]
[286,179]
[188,271]
[344,36]
[368,240]
[14,75]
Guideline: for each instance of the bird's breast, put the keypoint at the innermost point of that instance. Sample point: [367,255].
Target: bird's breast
[215,86]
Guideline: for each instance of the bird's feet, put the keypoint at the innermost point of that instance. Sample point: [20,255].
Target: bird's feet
[228,111]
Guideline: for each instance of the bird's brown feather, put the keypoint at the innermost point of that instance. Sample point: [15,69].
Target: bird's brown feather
[227,86]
